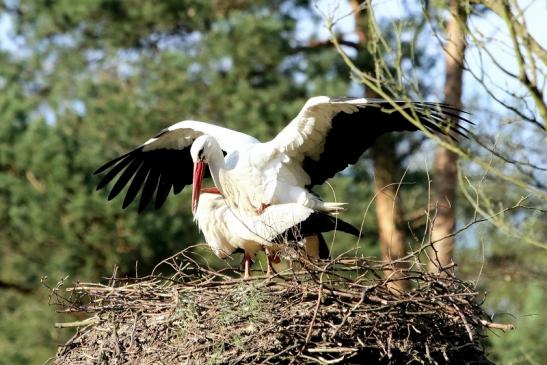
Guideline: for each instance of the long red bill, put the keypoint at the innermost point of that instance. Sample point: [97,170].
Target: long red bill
[199,169]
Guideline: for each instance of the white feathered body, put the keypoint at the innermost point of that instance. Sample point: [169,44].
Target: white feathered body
[225,229]
[255,177]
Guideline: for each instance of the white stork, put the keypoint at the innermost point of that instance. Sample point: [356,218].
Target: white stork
[325,137]
[227,230]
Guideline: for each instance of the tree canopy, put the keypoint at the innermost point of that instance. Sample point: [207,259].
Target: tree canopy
[84,81]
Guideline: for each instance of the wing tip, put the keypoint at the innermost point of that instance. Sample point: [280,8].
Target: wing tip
[99,170]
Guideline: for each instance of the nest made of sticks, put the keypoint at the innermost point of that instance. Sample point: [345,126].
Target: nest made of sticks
[339,311]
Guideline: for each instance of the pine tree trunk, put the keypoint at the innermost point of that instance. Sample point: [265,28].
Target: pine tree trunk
[388,211]
[445,166]
[386,171]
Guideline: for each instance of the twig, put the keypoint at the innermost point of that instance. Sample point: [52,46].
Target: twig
[83,323]
[499,326]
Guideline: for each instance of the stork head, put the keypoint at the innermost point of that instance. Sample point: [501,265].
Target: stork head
[200,152]
[201,147]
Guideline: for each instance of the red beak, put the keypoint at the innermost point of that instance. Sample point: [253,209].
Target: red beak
[199,169]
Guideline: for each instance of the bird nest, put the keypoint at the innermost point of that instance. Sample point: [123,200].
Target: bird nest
[337,311]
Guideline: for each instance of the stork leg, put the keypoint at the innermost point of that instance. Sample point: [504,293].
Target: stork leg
[269,264]
[262,208]
[247,264]
[271,257]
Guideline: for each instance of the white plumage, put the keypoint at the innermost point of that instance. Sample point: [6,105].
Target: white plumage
[227,230]
[326,136]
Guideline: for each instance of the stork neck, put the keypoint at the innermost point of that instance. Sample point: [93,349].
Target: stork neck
[216,163]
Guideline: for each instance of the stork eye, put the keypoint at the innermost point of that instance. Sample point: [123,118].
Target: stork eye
[201,154]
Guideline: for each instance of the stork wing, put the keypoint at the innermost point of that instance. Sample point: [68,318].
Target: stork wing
[329,134]
[164,162]
[315,223]
[283,223]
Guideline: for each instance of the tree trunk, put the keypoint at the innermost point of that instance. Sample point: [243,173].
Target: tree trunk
[445,165]
[386,172]
[388,212]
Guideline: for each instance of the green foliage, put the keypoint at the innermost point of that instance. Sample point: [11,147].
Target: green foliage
[513,276]
[26,328]
[526,303]
[89,80]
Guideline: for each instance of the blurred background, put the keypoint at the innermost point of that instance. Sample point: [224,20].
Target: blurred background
[84,81]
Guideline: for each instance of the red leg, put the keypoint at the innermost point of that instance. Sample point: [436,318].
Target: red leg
[262,208]
[247,262]
[269,271]
[271,257]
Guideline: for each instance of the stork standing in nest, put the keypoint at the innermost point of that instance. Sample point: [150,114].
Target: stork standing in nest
[326,136]
[227,231]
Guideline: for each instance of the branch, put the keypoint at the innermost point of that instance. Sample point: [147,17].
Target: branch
[499,326]
[498,8]
[316,44]
[537,95]
[83,323]
[372,83]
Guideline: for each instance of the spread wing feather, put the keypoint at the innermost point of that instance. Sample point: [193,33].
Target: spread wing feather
[163,163]
[329,134]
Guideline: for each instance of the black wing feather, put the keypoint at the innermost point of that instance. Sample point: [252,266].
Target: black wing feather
[124,178]
[136,185]
[164,187]
[324,252]
[110,163]
[153,171]
[352,134]
[149,188]
[317,222]
[177,186]
[115,170]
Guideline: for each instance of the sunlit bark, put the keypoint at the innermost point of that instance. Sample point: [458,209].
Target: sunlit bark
[445,166]
[388,209]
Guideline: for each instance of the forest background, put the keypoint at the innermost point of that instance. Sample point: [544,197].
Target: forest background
[84,81]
